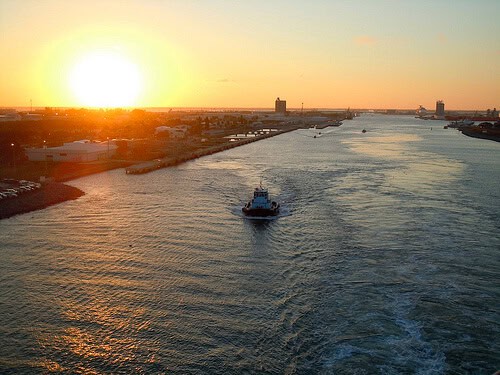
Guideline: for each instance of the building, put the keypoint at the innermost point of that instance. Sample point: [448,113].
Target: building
[9,114]
[75,152]
[177,132]
[440,108]
[421,111]
[280,106]
[10,117]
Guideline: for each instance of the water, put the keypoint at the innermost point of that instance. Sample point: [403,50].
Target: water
[384,260]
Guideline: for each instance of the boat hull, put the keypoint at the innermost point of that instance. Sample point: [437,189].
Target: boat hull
[260,212]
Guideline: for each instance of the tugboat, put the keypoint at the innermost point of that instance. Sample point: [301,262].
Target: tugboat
[261,205]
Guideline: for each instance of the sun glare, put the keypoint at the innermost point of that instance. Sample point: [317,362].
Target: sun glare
[105,79]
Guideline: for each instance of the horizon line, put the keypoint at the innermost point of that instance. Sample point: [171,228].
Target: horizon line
[194,108]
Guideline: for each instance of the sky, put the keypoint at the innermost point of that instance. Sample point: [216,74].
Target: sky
[244,54]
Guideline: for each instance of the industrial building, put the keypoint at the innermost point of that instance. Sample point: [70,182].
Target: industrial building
[440,108]
[75,152]
[280,106]
[177,132]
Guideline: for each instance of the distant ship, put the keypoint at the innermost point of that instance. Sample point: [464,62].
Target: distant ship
[261,205]
[421,112]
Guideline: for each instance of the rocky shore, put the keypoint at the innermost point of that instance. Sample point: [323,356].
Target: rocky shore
[48,195]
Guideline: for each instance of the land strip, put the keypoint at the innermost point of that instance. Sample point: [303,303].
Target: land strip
[201,151]
[48,195]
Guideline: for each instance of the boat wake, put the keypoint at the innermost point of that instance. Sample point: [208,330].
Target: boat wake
[316,133]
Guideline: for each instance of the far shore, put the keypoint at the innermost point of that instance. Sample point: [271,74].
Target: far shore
[476,133]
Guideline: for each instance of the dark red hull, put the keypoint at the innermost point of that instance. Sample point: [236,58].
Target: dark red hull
[261,212]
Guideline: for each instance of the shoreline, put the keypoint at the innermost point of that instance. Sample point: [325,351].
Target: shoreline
[170,161]
[49,194]
[480,135]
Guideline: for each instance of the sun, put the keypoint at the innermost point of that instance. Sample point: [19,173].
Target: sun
[105,79]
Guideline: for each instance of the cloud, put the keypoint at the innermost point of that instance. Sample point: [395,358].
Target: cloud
[365,40]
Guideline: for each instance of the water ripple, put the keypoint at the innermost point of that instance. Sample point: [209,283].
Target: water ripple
[383,260]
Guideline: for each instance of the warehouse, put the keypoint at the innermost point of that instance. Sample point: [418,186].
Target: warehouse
[75,152]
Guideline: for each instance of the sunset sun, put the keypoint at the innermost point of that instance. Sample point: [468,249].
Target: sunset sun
[105,79]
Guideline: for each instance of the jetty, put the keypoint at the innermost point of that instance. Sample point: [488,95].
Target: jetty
[170,161]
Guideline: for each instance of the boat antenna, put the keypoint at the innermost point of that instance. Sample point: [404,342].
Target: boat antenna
[261,182]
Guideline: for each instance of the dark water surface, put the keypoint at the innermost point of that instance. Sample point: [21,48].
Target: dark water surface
[385,260]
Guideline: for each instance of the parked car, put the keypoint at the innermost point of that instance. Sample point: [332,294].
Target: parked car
[10,194]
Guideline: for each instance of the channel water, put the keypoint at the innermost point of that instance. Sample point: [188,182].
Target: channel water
[385,259]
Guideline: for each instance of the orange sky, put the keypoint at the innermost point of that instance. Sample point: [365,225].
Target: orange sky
[325,54]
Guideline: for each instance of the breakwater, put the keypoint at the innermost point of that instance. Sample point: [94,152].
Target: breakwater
[170,161]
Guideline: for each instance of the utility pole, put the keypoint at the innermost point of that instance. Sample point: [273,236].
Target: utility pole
[45,155]
[302,114]
[13,156]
